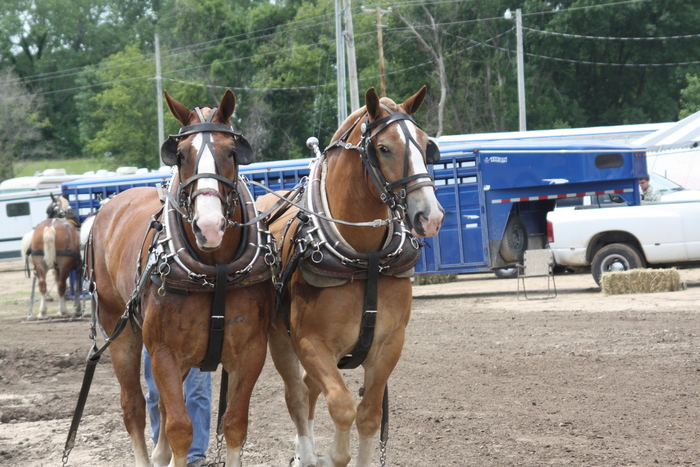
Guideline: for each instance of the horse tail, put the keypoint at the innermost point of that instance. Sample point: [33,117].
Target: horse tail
[26,251]
[50,246]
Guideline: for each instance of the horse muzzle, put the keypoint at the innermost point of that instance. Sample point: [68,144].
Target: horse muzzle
[424,214]
[209,231]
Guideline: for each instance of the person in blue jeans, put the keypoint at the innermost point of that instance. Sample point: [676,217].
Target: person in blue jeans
[198,402]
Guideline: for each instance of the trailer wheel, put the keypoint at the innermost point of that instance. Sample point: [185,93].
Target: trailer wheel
[508,273]
[514,241]
[615,257]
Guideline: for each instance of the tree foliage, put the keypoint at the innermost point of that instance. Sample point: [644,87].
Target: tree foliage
[21,123]
[587,63]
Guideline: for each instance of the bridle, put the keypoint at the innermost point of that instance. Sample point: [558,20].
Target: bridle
[54,211]
[187,194]
[395,200]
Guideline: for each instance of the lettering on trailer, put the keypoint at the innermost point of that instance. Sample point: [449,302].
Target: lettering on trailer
[496,159]
[566,195]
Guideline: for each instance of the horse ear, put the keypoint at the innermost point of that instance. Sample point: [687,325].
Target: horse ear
[413,103]
[226,107]
[179,111]
[372,103]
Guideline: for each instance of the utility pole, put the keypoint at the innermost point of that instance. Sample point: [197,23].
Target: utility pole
[521,64]
[380,44]
[352,65]
[340,64]
[521,69]
[159,96]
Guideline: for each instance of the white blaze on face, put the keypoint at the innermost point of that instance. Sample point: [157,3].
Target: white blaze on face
[207,208]
[423,205]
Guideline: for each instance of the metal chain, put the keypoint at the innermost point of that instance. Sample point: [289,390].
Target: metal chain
[219,448]
[382,456]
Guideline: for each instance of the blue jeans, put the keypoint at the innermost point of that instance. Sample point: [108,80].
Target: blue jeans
[197,401]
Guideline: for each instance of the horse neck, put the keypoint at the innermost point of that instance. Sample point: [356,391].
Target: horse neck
[352,197]
[230,244]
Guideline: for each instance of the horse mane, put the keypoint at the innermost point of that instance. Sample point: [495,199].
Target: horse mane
[358,113]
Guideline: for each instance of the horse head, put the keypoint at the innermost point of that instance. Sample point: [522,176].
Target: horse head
[397,152]
[59,207]
[207,152]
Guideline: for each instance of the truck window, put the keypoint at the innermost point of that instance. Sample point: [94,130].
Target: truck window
[17,209]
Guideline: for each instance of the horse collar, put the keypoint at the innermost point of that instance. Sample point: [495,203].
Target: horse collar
[179,268]
[327,254]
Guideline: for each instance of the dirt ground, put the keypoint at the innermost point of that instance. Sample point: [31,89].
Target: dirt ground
[485,380]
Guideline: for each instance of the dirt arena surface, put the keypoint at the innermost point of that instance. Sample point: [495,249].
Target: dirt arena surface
[484,380]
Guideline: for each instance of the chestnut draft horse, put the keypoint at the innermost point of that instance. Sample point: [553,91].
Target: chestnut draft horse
[54,244]
[351,277]
[202,254]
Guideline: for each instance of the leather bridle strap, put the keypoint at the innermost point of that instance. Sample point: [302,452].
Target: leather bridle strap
[385,188]
[217,322]
[369,317]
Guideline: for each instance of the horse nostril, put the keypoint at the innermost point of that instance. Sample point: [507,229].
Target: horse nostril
[418,222]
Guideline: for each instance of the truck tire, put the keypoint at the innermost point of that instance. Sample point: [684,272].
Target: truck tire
[615,257]
[514,242]
[508,273]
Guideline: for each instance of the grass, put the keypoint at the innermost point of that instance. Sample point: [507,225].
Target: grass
[72,166]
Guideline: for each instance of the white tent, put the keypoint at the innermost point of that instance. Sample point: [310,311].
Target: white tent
[674,151]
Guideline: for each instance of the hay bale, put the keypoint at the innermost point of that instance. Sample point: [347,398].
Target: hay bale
[427,279]
[640,281]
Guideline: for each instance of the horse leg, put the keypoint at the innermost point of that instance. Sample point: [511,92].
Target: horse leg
[40,271]
[61,276]
[162,453]
[125,353]
[175,423]
[296,395]
[321,366]
[369,411]
[314,392]
[243,374]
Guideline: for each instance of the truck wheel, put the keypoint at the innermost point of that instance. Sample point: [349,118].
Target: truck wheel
[514,241]
[615,257]
[509,273]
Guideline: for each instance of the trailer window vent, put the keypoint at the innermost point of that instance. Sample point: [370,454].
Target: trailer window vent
[609,161]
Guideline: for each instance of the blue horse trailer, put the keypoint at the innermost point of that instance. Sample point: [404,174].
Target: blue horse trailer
[496,195]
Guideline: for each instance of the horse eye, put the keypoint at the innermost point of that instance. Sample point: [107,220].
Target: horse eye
[383,149]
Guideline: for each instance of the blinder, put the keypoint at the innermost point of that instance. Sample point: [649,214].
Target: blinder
[168,150]
[432,153]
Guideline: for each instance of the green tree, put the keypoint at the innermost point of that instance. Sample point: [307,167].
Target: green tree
[125,111]
[690,97]
[48,42]
[20,125]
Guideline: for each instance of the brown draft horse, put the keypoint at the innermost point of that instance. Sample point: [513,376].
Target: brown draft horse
[55,245]
[196,245]
[324,302]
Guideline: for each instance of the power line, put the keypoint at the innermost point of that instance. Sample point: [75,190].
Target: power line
[612,38]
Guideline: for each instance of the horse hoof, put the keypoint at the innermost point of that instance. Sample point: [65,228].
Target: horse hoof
[296,462]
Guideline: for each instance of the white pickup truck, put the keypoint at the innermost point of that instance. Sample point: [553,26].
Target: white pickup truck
[616,237]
